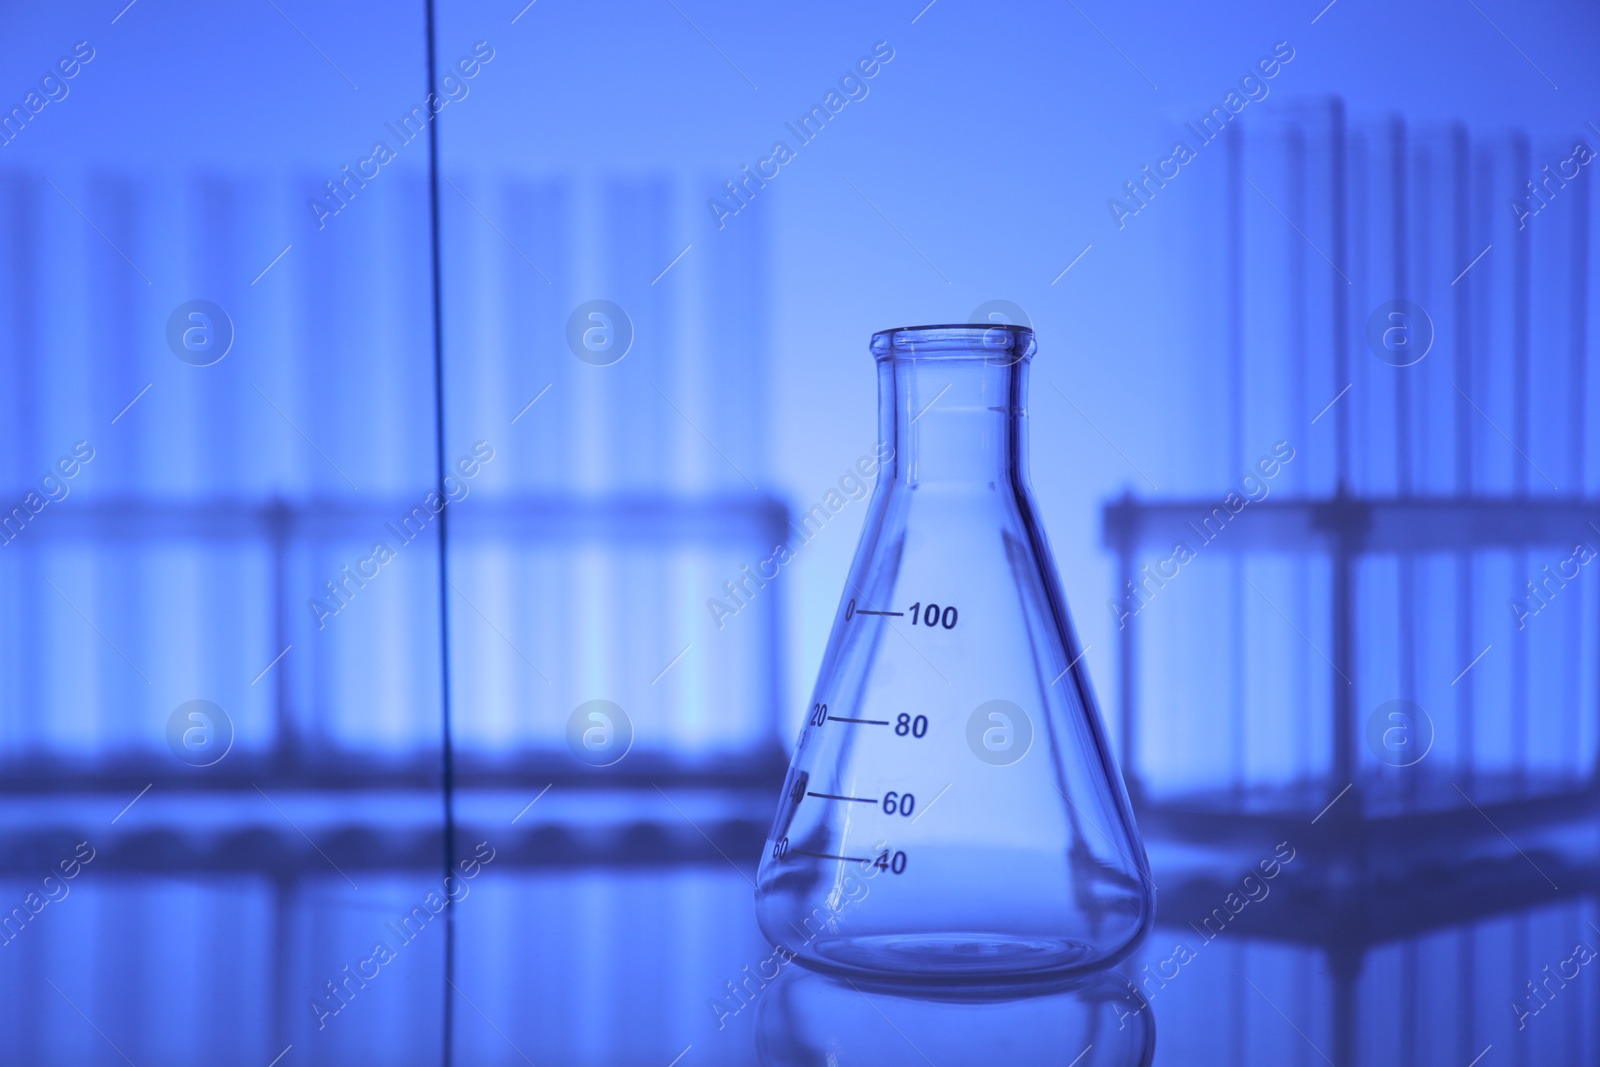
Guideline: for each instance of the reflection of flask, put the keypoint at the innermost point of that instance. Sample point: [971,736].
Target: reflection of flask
[809,1019]
[952,813]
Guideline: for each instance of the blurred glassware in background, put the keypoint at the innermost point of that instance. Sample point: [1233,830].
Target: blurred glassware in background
[217,688]
[622,388]
[219,511]
[601,714]
[1397,349]
[1254,970]
[952,813]
[209,542]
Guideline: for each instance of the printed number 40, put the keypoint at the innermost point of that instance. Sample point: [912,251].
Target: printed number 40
[893,862]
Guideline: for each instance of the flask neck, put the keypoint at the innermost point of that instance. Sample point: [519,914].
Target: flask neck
[954,421]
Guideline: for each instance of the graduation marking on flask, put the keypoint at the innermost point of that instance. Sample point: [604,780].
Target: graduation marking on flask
[893,802]
[929,615]
[891,860]
[819,715]
[840,796]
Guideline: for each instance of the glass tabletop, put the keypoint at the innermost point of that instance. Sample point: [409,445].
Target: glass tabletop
[616,926]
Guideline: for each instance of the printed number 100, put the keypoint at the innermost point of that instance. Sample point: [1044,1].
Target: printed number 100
[931,615]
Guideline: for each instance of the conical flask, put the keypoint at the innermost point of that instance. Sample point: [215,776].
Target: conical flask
[952,814]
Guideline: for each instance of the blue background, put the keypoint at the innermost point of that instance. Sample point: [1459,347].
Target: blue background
[1175,350]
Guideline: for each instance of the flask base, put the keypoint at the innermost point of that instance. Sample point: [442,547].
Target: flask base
[959,960]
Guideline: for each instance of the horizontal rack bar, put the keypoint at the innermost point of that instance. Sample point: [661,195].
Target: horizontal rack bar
[533,518]
[1364,525]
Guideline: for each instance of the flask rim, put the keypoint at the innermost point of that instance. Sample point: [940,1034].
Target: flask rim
[963,340]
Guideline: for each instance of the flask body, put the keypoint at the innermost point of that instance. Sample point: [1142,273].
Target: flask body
[952,813]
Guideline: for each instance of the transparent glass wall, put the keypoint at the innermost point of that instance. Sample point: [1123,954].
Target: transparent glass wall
[222,714]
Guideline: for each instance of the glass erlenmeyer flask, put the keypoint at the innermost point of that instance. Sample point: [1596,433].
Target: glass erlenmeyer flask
[952,813]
